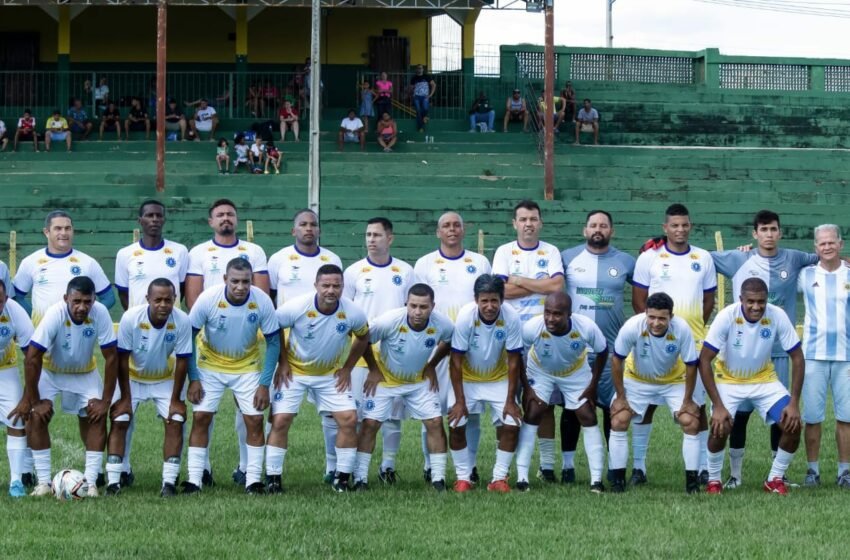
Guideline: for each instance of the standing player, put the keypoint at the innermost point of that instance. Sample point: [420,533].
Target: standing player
[531,269]
[558,343]
[742,337]
[485,363]
[412,340]
[596,275]
[779,268]
[685,273]
[377,284]
[60,362]
[319,328]
[154,348]
[657,353]
[229,318]
[451,272]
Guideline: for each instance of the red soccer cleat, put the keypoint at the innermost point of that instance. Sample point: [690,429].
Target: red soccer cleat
[462,486]
[501,486]
[776,486]
[714,487]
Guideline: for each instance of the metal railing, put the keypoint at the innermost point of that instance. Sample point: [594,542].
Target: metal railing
[531,92]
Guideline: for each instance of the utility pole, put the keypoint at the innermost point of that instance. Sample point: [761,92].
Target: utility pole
[314,171]
[609,29]
[161,36]
[548,96]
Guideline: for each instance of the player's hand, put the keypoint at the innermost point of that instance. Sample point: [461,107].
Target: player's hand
[620,404]
[430,374]
[176,408]
[689,407]
[590,395]
[195,394]
[457,413]
[512,409]
[43,409]
[529,395]
[22,411]
[745,248]
[721,421]
[282,375]
[371,384]
[789,421]
[122,406]
[261,398]
[343,380]
[97,409]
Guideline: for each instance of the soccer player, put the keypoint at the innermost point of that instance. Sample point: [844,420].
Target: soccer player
[60,362]
[412,340]
[655,352]
[685,273]
[532,268]
[15,329]
[319,328]
[486,361]
[154,348]
[451,272]
[377,284]
[6,278]
[779,268]
[557,344]
[742,337]
[826,347]
[596,274]
[229,318]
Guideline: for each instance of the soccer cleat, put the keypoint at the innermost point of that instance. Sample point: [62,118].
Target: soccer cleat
[361,486]
[473,477]
[546,475]
[597,487]
[274,484]
[238,477]
[812,478]
[340,484]
[703,477]
[618,486]
[189,488]
[93,491]
[328,477]
[439,485]
[568,476]
[207,479]
[843,480]
[691,482]
[462,486]
[127,479]
[113,489]
[388,476]
[168,490]
[788,483]
[732,484]
[426,474]
[28,479]
[714,487]
[500,486]
[522,486]
[101,480]
[17,490]
[776,486]
[256,489]
[638,477]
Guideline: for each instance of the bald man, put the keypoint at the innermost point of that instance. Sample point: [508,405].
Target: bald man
[557,344]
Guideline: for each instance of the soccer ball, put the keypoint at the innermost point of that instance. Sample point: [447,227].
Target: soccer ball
[69,484]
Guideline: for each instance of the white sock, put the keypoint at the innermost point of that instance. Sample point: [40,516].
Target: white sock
[391,436]
[703,450]
[813,466]
[842,468]
[94,459]
[329,430]
[438,467]
[568,459]
[242,436]
[16,449]
[196,457]
[41,464]
[170,470]
[345,459]
[425,449]
[114,464]
[255,464]
[640,443]
[736,463]
[502,468]
[780,464]
[691,451]
[618,450]
[128,443]
[207,464]
[546,448]
[473,437]
[274,460]
[525,449]
[460,458]
[28,461]
[594,448]
[362,471]
[715,464]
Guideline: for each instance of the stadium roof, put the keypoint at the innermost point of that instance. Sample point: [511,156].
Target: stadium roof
[397,4]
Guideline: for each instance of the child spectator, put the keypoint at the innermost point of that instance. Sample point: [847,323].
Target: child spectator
[4,141]
[257,155]
[288,120]
[387,132]
[384,89]
[78,118]
[273,156]
[242,150]
[367,100]
[222,157]
[57,130]
[111,119]
[137,119]
[26,130]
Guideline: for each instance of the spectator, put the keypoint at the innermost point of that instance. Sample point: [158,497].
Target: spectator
[4,140]
[387,132]
[367,104]
[257,155]
[57,130]
[26,130]
[289,95]
[384,89]
[273,156]
[288,120]
[351,130]
[482,112]
[205,120]
[270,95]
[175,119]
[137,119]
[515,110]
[308,84]
[110,119]
[101,96]
[78,119]
[242,150]
[422,88]
[568,94]
[255,92]
[587,121]
[559,107]
[222,157]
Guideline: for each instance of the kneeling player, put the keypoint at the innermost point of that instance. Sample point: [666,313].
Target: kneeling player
[658,354]
[485,364]
[558,343]
[742,335]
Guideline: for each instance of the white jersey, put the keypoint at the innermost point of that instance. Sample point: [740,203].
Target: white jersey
[564,355]
[228,339]
[318,342]
[541,261]
[47,275]
[656,359]
[744,348]
[401,352]
[154,351]
[293,273]
[69,347]
[484,346]
[7,279]
[685,277]
[378,288]
[136,266]
[827,323]
[209,260]
[15,329]
[451,278]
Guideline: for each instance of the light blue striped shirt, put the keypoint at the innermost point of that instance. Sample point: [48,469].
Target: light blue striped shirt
[827,323]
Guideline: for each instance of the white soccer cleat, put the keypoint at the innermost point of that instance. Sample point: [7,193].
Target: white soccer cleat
[42,490]
[93,492]
[732,484]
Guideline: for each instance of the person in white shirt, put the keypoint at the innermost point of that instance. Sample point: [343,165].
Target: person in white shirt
[4,140]
[204,120]
[7,279]
[351,129]
[26,130]
[257,155]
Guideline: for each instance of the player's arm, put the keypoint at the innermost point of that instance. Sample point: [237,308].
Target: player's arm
[177,408]
[261,280]
[358,347]
[517,286]
[639,295]
[124,298]
[193,287]
[430,370]
[790,419]
[721,421]
[707,304]
[459,411]
[195,392]
[514,374]
[21,298]
[107,297]
[29,403]
[98,408]
[283,375]
[596,373]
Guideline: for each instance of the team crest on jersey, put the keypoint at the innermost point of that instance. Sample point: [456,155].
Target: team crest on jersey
[88,332]
[252,305]
[695,266]
[170,337]
[765,321]
[253,317]
[499,335]
[76,270]
[542,263]
[783,274]
[430,330]
[671,348]
[471,269]
[613,272]
[575,345]
[222,305]
[397,280]
[341,328]
[341,315]
[170,262]
[430,343]
[765,333]
[144,326]
[5,331]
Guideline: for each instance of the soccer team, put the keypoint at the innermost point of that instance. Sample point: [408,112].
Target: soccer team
[381,341]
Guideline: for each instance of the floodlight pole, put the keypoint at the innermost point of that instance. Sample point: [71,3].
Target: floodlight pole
[161,35]
[548,96]
[609,23]
[314,170]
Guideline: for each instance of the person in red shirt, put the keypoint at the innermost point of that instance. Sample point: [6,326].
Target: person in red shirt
[270,97]
[26,130]
[288,120]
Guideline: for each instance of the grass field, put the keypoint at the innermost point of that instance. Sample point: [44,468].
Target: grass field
[410,520]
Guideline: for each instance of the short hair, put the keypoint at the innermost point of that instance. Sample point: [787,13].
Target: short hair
[221,202]
[754,286]
[56,214]
[81,284]
[765,217]
[489,284]
[586,100]
[328,269]
[677,210]
[828,227]
[28,111]
[527,205]
[239,263]
[607,215]
[660,300]
[148,202]
[421,290]
[304,211]
[444,214]
[385,222]
[162,283]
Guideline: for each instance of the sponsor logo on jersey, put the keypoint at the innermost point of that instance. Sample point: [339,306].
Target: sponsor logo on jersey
[613,272]
[783,274]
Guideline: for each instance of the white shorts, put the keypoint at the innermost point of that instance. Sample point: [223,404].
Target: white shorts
[820,376]
[358,379]
[76,389]
[203,126]
[571,387]
[761,397]
[494,393]
[444,381]
[321,389]
[244,386]
[640,395]
[11,392]
[782,365]
[159,393]
[419,400]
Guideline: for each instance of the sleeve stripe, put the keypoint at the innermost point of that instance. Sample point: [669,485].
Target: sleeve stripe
[557,274]
[122,288]
[189,355]
[515,351]
[124,350]
[107,289]
[637,284]
[271,334]
[502,276]
[193,274]
[709,290]
[37,345]
[458,351]
[794,347]
[693,363]
[619,355]
[706,344]
[266,272]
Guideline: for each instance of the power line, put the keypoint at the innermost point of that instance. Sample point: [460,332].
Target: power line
[790,7]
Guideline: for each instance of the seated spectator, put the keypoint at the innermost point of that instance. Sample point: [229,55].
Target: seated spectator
[137,119]
[515,110]
[367,104]
[351,130]
[111,119]
[4,140]
[290,95]
[587,121]
[568,94]
[222,157]
[384,91]
[559,108]
[482,112]
[78,119]
[270,96]
[387,132]
[257,155]
[26,130]
[57,130]
[422,88]
[101,96]
[273,156]
[288,120]
[204,120]
[242,150]
[175,119]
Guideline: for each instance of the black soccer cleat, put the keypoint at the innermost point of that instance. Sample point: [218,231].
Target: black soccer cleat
[101,480]
[238,477]
[638,477]
[28,480]
[207,479]
[597,487]
[546,475]
[274,484]
[361,486]
[113,489]
[388,477]
[426,474]
[692,482]
[473,477]
[703,478]
[341,483]
[127,479]
[168,490]
[439,485]
[256,489]
[568,476]
[617,477]
[522,486]
[189,488]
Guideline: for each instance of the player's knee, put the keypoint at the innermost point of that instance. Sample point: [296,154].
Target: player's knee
[433,424]
[620,421]
[201,420]
[688,423]
[346,420]
[281,422]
